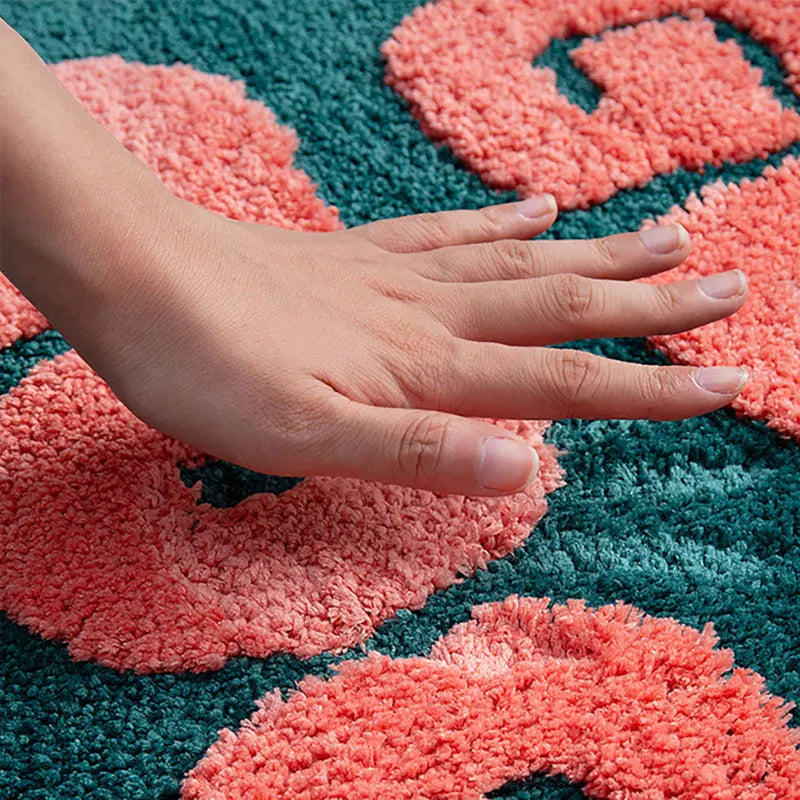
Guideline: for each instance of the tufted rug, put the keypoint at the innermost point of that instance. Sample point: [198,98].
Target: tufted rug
[172,626]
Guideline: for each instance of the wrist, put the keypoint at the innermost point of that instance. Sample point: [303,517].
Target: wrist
[89,248]
[80,217]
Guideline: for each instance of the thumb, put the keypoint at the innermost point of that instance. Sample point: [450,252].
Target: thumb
[431,450]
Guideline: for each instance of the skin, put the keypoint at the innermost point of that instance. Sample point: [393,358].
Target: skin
[362,353]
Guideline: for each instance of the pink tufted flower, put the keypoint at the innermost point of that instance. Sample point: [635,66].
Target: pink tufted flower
[632,707]
[672,94]
[754,227]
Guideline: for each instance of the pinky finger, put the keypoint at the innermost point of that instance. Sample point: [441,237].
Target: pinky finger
[493,380]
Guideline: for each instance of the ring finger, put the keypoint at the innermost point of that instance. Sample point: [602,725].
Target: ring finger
[561,308]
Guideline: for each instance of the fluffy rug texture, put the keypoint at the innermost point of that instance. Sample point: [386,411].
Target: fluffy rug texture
[172,626]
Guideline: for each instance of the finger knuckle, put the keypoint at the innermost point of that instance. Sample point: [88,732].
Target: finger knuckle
[437,225]
[665,299]
[603,252]
[488,224]
[576,380]
[514,259]
[422,444]
[573,296]
[660,384]
[298,420]
[424,368]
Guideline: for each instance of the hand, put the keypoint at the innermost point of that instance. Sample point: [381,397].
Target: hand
[358,353]
[363,352]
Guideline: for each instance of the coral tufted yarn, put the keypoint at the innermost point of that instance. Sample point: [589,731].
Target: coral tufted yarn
[103,546]
[672,94]
[754,227]
[630,706]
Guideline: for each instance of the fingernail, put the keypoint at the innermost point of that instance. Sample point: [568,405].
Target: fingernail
[664,240]
[506,464]
[720,380]
[724,285]
[537,207]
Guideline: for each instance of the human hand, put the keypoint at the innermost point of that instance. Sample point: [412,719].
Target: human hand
[364,352]
[359,353]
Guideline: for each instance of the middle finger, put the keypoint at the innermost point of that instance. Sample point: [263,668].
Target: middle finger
[623,256]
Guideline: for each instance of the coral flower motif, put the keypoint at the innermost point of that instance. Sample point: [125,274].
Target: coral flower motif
[672,94]
[754,227]
[628,706]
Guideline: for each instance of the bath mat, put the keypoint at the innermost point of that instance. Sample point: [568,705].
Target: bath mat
[172,626]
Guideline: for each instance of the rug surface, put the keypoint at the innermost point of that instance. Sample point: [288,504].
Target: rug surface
[629,628]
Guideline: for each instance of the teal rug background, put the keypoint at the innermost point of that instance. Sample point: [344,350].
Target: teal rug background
[697,520]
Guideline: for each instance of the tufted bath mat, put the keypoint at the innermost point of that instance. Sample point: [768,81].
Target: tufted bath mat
[628,628]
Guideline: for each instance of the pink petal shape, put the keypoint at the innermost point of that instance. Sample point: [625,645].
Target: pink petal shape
[673,95]
[103,546]
[754,227]
[631,706]
[203,138]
